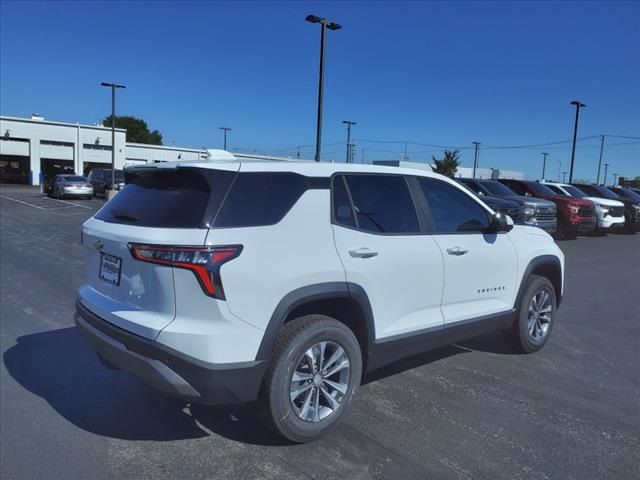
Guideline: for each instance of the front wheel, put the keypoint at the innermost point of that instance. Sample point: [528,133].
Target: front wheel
[535,315]
[312,378]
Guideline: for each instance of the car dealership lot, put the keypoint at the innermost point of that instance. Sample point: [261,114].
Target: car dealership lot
[468,411]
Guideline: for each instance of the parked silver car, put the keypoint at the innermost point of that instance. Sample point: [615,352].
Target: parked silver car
[71,186]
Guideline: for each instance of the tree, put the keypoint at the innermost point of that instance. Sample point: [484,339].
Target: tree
[448,164]
[137,130]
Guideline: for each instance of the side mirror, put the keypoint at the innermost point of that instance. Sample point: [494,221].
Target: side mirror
[500,223]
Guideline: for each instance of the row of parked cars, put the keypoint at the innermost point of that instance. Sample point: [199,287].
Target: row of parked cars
[97,182]
[561,209]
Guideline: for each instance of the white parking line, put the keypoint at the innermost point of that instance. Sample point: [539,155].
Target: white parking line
[24,203]
[69,203]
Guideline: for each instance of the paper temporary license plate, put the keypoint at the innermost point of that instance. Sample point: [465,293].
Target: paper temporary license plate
[110,268]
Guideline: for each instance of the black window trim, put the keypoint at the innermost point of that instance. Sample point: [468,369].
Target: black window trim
[469,195]
[423,222]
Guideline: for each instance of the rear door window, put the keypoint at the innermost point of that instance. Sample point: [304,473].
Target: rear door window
[382,204]
[177,198]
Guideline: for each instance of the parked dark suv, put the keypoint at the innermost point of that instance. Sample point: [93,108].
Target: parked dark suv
[100,179]
[536,212]
[631,203]
[497,204]
[575,216]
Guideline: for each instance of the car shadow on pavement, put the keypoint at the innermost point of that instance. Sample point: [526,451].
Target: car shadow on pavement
[61,368]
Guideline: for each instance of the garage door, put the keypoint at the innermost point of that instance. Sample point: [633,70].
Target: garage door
[15,165]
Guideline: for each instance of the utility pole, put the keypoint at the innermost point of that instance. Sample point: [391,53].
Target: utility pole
[476,157]
[606,167]
[578,105]
[298,153]
[113,87]
[559,168]
[564,177]
[348,123]
[226,129]
[544,164]
[362,160]
[600,161]
[615,178]
[404,157]
[324,24]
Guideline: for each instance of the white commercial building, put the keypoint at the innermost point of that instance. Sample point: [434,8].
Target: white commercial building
[32,148]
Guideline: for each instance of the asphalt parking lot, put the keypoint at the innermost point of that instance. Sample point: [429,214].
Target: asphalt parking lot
[476,410]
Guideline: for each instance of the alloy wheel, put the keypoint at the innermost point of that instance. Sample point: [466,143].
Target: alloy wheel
[539,316]
[320,381]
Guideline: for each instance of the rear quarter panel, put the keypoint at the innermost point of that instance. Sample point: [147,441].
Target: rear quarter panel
[296,252]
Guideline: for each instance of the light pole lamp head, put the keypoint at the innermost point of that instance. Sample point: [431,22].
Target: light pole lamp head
[349,122]
[313,19]
[578,104]
[112,85]
[334,26]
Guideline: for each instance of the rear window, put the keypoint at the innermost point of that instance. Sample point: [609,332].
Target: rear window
[180,198]
[74,178]
[261,198]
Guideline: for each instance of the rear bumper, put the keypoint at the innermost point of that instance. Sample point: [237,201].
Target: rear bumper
[80,192]
[167,370]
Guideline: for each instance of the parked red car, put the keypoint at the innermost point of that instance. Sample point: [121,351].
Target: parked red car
[575,215]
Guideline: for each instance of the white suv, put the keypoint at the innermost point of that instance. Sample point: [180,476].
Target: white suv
[289,283]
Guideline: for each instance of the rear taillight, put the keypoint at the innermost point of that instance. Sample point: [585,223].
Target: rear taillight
[204,262]
[67,185]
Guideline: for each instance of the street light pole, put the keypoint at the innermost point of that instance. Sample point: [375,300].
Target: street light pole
[324,24]
[544,163]
[606,167]
[476,157]
[348,123]
[559,168]
[615,178]
[113,87]
[600,161]
[226,129]
[564,177]
[578,105]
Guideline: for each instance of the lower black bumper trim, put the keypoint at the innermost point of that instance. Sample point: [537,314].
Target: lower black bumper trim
[167,370]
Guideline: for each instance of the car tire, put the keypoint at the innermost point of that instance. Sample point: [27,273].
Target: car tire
[534,318]
[310,414]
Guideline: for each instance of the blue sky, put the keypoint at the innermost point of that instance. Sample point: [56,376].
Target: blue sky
[436,73]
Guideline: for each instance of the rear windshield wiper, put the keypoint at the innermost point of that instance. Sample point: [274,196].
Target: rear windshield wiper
[124,215]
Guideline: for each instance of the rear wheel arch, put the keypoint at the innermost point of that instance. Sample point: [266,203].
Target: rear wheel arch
[345,302]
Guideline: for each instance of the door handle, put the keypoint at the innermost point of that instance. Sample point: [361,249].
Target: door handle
[362,252]
[457,251]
